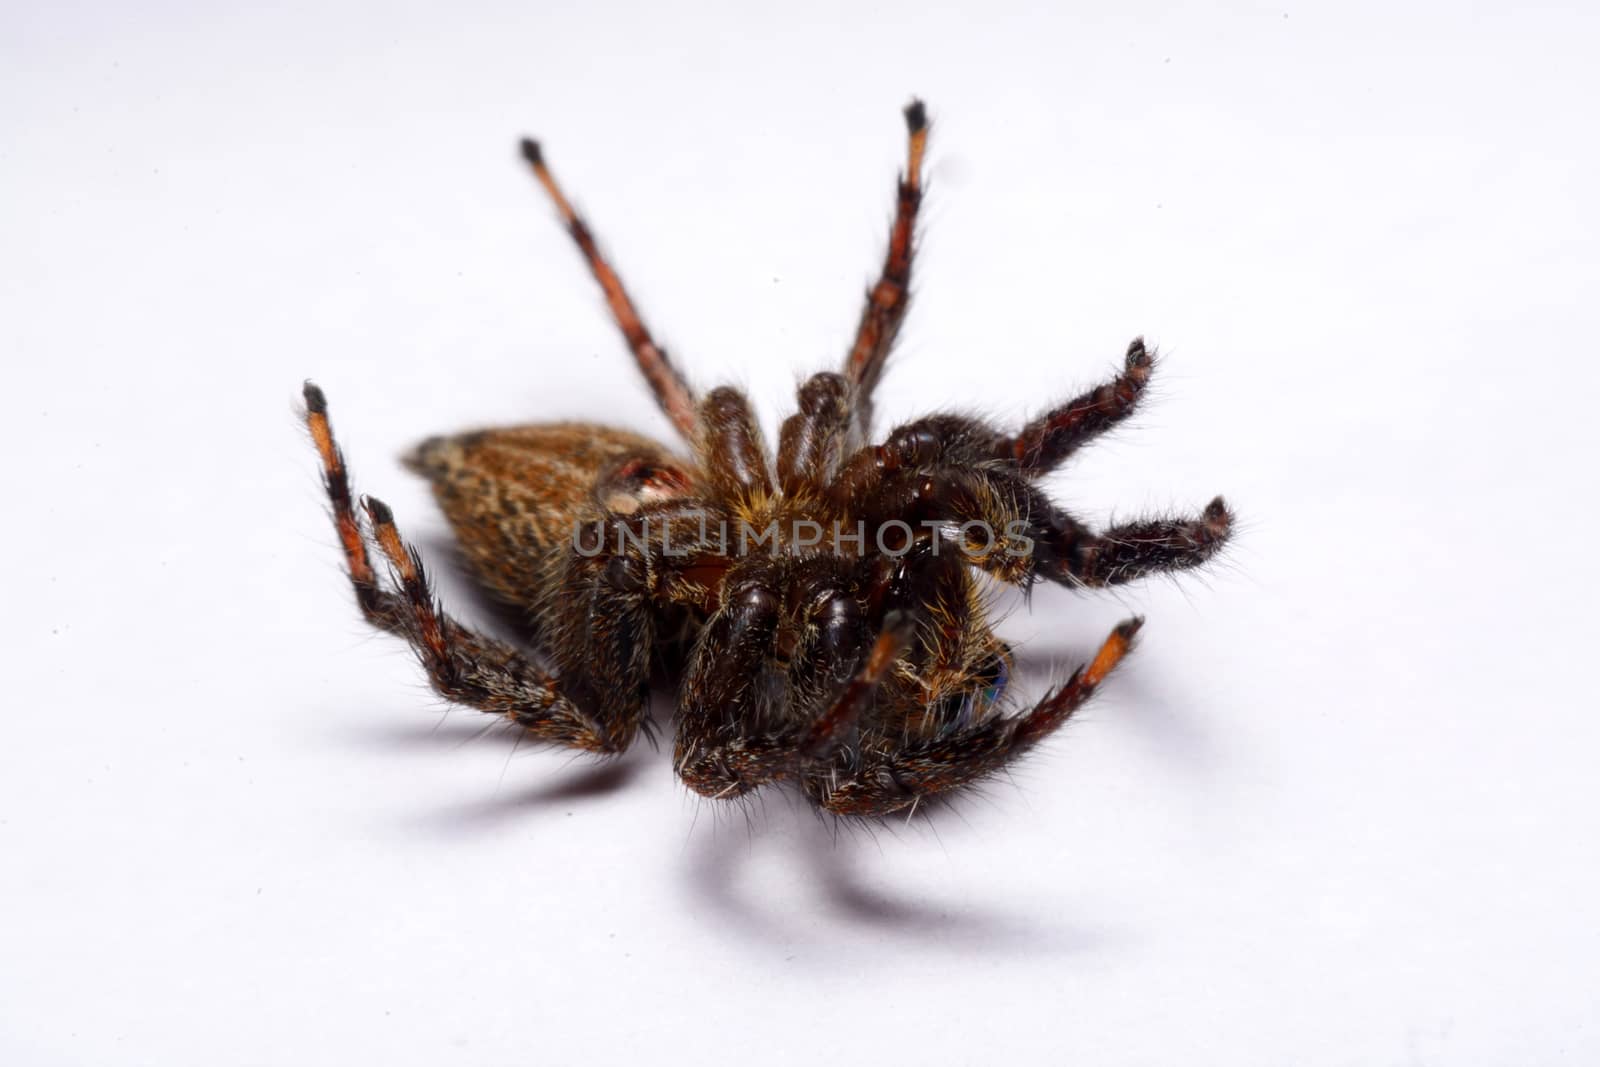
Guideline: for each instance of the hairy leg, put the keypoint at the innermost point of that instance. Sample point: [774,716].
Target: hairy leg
[986,515]
[1039,447]
[718,753]
[1043,444]
[1070,553]
[811,440]
[671,389]
[376,604]
[1008,527]
[732,449]
[464,667]
[895,773]
[887,300]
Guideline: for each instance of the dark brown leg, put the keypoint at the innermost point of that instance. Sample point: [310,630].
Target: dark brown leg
[992,507]
[893,777]
[733,451]
[1072,554]
[719,760]
[1049,439]
[672,391]
[811,440]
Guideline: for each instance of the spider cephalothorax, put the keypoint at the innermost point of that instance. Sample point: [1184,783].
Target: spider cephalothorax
[837,632]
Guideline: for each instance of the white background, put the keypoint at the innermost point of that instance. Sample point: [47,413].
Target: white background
[1341,808]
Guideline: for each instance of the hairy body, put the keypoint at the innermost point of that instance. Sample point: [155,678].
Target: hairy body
[822,605]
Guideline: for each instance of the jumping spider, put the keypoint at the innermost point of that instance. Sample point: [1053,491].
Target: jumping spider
[866,670]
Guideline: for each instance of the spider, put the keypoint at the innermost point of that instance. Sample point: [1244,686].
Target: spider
[862,665]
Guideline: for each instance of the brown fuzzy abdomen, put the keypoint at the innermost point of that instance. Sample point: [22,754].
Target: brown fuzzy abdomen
[515,495]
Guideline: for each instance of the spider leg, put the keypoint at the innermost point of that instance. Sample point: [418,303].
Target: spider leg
[604,627]
[1023,536]
[893,773]
[887,300]
[1035,450]
[1043,444]
[376,604]
[718,756]
[1068,552]
[733,451]
[988,510]
[671,389]
[464,667]
[811,440]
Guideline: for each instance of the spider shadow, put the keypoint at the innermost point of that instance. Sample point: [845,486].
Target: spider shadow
[585,783]
[576,779]
[826,858]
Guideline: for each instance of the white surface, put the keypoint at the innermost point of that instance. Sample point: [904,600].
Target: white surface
[1342,807]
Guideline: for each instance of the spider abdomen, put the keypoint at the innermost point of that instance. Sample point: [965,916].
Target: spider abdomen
[515,496]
